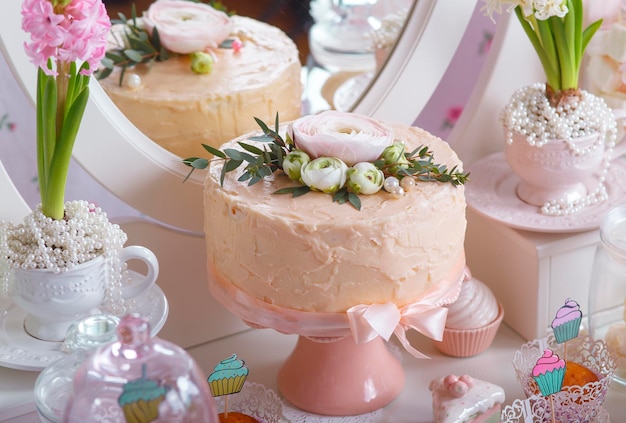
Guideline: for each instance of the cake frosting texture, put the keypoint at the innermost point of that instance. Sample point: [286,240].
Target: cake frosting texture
[311,254]
[180,109]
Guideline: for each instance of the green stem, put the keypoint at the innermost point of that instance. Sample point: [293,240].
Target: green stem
[552,74]
[49,125]
[55,194]
[41,158]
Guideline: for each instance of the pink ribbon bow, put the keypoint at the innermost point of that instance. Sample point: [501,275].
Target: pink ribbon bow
[369,321]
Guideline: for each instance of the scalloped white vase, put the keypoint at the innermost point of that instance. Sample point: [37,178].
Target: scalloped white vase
[53,301]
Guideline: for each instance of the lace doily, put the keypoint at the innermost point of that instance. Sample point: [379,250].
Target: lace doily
[573,403]
[295,415]
[536,409]
[255,400]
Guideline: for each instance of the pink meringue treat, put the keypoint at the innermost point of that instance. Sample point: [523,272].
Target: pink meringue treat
[473,321]
[464,399]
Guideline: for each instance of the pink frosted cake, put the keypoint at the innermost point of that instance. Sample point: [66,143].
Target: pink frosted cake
[180,109]
[465,399]
[315,255]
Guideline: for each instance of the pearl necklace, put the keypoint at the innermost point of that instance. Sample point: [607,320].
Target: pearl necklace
[84,233]
[530,113]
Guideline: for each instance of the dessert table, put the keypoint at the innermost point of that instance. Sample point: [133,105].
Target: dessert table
[264,351]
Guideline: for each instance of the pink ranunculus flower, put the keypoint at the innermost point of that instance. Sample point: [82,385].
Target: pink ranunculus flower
[187,27]
[351,137]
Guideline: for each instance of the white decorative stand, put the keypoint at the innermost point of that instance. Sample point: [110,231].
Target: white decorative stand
[531,273]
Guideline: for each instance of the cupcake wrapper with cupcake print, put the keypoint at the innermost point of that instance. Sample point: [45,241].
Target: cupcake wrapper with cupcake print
[571,403]
[566,331]
[550,382]
[227,386]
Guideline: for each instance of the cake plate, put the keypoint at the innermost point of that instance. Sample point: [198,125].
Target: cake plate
[341,365]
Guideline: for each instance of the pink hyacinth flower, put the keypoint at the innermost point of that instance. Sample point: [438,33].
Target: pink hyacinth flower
[77,34]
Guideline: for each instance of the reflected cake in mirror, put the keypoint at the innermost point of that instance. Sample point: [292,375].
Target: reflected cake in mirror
[247,69]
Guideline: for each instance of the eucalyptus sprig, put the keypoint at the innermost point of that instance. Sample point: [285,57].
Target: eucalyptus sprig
[259,162]
[421,164]
[137,46]
[262,162]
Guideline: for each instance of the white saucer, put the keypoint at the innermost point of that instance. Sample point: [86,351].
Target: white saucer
[491,193]
[19,350]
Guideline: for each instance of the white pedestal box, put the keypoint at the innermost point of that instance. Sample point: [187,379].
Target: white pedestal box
[531,273]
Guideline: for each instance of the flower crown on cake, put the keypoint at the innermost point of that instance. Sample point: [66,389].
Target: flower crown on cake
[337,153]
[166,29]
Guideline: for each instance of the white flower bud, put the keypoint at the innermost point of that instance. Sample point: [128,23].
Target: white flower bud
[365,178]
[293,162]
[201,62]
[326,174]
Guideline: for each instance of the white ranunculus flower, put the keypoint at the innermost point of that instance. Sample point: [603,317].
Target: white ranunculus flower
[293,162]
[365,178]
[185,26]
[351,137]
[326,174]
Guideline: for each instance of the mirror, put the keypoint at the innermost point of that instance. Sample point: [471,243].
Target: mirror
[341,43]
[433,31]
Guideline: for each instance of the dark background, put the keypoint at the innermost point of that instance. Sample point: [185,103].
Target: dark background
[292,16]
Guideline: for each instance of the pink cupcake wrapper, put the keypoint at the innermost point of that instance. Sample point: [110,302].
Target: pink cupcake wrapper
[469,342]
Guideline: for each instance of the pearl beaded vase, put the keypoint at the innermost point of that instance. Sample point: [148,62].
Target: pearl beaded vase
[560,154]
[59,271]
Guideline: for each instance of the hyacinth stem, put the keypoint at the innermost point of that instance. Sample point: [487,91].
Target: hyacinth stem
[560,44]
[63,100]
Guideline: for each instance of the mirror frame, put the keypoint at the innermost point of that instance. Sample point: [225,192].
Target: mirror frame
[141,173]
[424,50]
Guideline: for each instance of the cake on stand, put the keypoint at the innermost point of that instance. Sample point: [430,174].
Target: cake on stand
[341,364]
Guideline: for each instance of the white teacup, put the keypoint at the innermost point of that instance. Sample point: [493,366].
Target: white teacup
[54,300]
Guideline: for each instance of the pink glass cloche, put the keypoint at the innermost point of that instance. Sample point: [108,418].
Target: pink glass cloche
[140,379]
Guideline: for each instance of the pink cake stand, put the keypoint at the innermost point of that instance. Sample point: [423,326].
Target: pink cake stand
[341,365]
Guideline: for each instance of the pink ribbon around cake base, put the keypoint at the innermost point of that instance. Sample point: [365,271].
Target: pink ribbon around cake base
[364,322]
[369,321]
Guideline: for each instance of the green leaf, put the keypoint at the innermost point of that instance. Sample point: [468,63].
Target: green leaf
[552,75]
[156,39]
[55,189]
[199,164]
[251,148]
[301,190]
[133,55]
[214,151]
[588,33]
[265,171]
[231,165]
[115,56]
[354,200]
[254,180]
[262,138]
[341,196]
[295,191]
[263,126]
[233,153]
[49,122]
